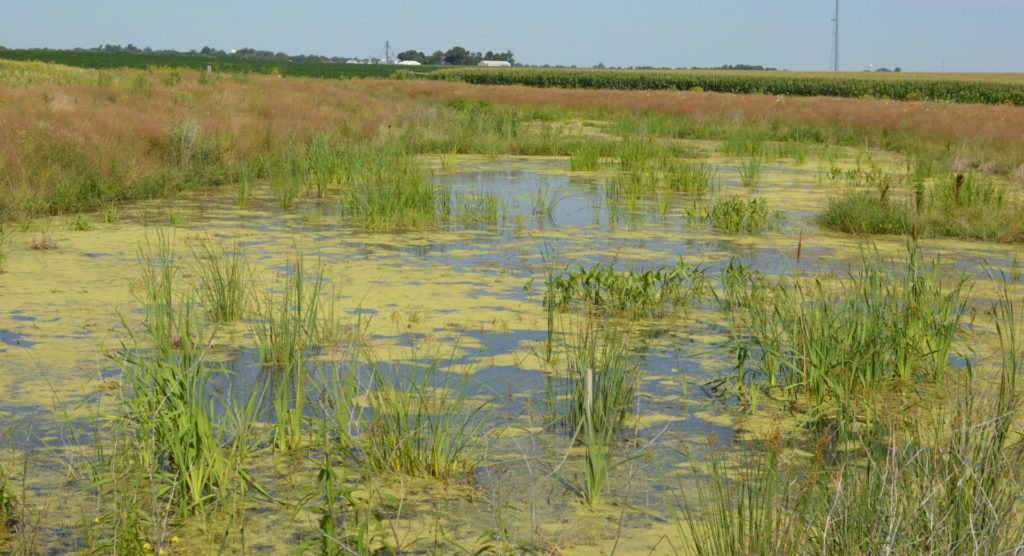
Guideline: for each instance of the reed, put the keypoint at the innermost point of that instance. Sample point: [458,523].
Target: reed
[750,171]
[585,157]
[223,278]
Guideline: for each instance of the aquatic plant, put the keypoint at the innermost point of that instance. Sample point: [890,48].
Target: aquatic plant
[592,394]
[585,157]
[385,188]
[864,213]
[828,348]
[750,171]
[285,324]
[224,280]
[421,416]
[479,206]
[544,199]
[627,292]
[735,215]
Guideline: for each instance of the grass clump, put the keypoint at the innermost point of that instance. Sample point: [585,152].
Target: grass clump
[735,215]
[827,349]
[591,395]
[864,213]
[224,279]
[962,206]
[385,188]
[421,417]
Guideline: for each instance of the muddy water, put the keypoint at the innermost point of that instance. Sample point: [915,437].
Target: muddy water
[473,290]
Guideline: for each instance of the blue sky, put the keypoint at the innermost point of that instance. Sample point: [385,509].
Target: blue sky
[916,35]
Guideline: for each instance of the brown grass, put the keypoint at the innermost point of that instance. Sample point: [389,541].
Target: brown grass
[945,120]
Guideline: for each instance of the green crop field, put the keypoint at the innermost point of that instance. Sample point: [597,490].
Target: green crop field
[962,88]
[99,60]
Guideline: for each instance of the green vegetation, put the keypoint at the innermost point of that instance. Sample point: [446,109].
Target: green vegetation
[626,292]
[897,86]
[109,60]
[734,215]
[836,349]
[962,205]
[420,419]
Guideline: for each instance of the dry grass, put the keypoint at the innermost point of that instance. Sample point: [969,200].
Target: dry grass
[952,121]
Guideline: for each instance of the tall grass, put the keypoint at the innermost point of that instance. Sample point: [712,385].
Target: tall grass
[171,453]
[422,416]
[948,482]
[224,280]
[386,188]
[592,394]
[830,348]
[585,157]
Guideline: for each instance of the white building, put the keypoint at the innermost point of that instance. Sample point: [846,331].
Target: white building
[495,64]
[409,63]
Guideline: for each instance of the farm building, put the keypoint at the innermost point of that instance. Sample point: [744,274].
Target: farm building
[409,63]
[495,64]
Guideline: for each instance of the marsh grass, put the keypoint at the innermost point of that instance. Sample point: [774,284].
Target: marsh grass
[585,157]
[385,188]
[543,201]
[828,348]
[750,171]
[967,205]
[479,206]
[167,453]
[224,280]
[423,415]
[285,323]
[590,396]
[948,482]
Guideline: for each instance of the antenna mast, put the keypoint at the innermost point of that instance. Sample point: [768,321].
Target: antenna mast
[835,39]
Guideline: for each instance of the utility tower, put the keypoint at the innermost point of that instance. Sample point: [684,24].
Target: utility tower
[835,39]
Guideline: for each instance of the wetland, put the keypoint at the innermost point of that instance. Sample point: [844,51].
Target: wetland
[500,329]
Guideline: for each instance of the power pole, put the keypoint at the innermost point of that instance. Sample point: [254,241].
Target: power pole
[835,39]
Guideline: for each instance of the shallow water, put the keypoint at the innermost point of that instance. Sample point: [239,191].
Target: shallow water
[475,291]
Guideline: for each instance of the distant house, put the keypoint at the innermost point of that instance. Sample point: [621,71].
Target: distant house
[409,63]
[495,64]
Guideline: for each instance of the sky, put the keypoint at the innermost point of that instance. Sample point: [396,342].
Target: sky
[915,35]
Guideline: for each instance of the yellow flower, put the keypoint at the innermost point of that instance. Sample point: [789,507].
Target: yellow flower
[145,546]
[95,520]
[174,540]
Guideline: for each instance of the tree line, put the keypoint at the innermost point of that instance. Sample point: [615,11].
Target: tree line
[455,56]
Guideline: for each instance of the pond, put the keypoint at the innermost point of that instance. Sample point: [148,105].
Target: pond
[468,297]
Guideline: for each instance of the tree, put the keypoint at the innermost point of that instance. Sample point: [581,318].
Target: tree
[413,55]
[436,59]
[457,56]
